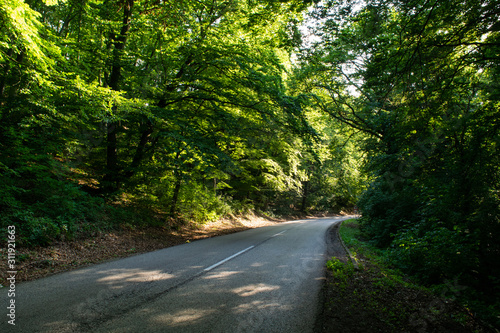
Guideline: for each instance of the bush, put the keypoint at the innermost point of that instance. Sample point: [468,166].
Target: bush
[34,230]
[433,254]
[385,211]
[199,204]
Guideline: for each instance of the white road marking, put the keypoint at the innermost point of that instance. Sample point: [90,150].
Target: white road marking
[237,254]
[228,258]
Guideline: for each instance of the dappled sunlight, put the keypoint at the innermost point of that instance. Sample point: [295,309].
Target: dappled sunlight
[257,264]
[221,275]
[59,326]
[183,317]
[254,289]
[185,312]
[133,275]
[254,306]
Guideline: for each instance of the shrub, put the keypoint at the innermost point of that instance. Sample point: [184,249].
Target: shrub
[433,254]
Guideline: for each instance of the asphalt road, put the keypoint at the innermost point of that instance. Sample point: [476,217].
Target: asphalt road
[260,280]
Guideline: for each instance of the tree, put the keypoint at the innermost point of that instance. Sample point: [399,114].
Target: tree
[423,73]
[157,101]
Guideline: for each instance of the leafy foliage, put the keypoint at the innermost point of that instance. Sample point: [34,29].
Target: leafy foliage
[181,108]
[419,78]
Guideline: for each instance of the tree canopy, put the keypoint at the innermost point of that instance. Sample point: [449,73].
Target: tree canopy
[180,106]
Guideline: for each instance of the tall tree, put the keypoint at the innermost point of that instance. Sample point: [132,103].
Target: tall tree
[141,97]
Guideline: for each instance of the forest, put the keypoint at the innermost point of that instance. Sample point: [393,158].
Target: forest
[157,112]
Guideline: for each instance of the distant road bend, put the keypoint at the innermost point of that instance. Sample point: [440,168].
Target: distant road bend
[260,280]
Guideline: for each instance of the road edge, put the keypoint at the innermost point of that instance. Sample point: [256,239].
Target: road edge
[334,245]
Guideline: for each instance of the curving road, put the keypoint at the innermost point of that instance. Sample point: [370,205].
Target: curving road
[259,280]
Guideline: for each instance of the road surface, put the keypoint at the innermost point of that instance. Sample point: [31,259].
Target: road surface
[260,280]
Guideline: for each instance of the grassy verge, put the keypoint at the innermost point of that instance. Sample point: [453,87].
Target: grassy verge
[375,298]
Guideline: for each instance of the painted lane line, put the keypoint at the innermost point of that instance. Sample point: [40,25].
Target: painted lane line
[237,254]
[228,258]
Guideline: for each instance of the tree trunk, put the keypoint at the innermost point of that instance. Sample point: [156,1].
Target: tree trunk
[305,193]
[146,131]
[112,177]
[177,188]
[175,195]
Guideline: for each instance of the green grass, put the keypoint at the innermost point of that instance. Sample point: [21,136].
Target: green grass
[363,251]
